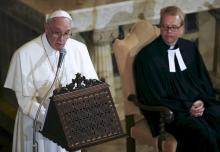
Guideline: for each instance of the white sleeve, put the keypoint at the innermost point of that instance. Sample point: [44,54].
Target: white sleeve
[86,64]
[29,106]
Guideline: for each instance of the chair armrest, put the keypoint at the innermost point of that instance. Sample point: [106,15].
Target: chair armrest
[166,116]
[165,112]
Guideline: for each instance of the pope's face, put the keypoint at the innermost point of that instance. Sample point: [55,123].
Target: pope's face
[58,30]
[171,29]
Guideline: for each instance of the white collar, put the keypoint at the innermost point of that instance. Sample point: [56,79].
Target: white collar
[171,59]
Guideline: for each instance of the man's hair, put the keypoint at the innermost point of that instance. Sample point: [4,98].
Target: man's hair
[172,10]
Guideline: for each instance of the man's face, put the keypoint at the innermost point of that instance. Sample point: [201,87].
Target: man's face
[171,29]
[58,30]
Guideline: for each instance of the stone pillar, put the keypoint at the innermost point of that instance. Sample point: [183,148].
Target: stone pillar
[102,42]
[216,58]
[216,14]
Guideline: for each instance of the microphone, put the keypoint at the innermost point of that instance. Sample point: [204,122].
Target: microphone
[61,57]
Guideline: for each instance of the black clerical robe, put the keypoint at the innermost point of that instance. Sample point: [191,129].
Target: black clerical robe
[156,85]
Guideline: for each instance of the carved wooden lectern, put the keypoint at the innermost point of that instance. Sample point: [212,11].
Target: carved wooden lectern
[82,114]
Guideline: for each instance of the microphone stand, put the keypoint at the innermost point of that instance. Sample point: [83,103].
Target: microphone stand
[35,143]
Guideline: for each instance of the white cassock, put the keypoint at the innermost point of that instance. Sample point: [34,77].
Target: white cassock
[31,73]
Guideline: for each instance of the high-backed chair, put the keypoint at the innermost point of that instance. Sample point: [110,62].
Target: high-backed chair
[142,33]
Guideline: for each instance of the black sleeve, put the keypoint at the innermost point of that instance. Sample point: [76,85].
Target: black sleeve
[149,86]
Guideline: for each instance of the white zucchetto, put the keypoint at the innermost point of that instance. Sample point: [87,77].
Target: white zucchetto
[59,13]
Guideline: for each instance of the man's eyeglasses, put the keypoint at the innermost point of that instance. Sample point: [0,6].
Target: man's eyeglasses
[172,28]
[65,35]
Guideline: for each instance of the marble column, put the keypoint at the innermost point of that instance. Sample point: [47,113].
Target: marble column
[102,45]
[216,58]
[216,14]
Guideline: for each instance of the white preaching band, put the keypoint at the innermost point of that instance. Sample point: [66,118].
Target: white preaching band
[171,58]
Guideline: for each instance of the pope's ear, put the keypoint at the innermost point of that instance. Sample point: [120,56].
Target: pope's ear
[46,28]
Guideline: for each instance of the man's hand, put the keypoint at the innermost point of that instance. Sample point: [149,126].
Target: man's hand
[197,108]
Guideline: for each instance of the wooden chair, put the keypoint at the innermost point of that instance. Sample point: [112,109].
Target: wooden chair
[137,128]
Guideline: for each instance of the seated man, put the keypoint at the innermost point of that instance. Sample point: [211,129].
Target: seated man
[170,72]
